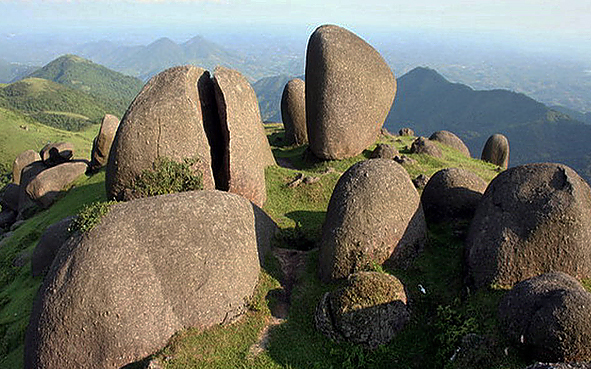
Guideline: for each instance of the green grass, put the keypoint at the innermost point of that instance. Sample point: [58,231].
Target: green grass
[440,318]
[19,133]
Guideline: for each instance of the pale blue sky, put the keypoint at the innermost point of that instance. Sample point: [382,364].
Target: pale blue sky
[568,20]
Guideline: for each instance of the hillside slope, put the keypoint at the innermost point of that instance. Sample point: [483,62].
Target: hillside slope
[111,89]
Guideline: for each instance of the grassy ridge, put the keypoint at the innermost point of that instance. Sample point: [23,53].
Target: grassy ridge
[440,317]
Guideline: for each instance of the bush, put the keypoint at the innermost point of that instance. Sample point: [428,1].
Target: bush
[168,176]
[90,215]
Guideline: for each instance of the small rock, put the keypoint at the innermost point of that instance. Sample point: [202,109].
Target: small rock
[406,132]
[404,160]
[420,181]
[384,151]
[423,146]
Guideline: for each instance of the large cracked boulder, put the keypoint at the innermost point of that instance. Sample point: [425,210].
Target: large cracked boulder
[370,309]
[22,160]
[148,269]
[101,146]
[57,153]
[173,117]
[532,219]
[247,151]
[45,188]
[496,150]
[49,244]
[449,139]
[349,92]
[549,318]
[374,215]
[293,112]
[452,194]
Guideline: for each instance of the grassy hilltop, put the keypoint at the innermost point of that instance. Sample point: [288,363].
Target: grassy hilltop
[440,317]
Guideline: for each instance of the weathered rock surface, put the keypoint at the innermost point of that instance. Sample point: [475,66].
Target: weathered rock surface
[22,160]
[10,196]
[248,152]
[406,132]
[374,215]
[496,150]
[172,117]
[420,181]
[384,151]
[449,139]
[47,185]
[25,204]
[531,219]
[150,267]
[549,318]
[293,112]
[57,153]
[49,244]
[101,146]
[423,146]
[452,194]
[560,366]
[370,309]
[349,92]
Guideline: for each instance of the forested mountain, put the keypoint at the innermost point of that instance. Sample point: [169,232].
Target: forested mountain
[12,71]
[269,91]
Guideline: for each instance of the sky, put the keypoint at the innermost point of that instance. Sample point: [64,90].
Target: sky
[568,20]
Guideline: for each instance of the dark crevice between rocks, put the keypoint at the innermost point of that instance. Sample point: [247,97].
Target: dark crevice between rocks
[217,139]
[224,170]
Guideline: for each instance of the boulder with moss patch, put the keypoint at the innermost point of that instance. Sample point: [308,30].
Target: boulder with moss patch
[370,309]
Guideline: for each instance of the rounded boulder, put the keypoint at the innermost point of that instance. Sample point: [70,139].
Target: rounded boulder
[532,219]
[49,244]
[496,150]
[22,160]
[374,215]
[149,268]
[57,153]
[449,139]
[384,151]
[549,318]
[370,309]
[293,112]
[452,194]
[45,188]
[423,146]
[349,92]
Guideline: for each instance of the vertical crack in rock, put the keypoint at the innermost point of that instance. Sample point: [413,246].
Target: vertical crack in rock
[223,174]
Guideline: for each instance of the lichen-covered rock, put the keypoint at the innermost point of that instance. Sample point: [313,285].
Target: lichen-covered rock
[449,139]
[532,219]
[370,309]
[349,92]
[374,215]
[57,153]
[173,116]
[452,194]
[45,188]
[384,151]
[49,244]
[247,152]
[549,318]
[496,150]
[148,269]
[22,160]
[423,146]
[101,146]
[293,112]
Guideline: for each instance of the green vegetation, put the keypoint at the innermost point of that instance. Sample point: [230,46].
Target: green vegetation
[441,316]
[90,215]
[19,133]
[168,176]
[108,88]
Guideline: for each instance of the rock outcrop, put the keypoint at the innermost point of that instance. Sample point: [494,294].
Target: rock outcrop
[349,92]
[370,309]
[57,153]
[49,244]
[293,112]
[168,118]
[22,160]
[452,194]
[148,269]
[496,150]
[101,146]
[374,215]
[549,318]
[47,185]
[449,139]
[532,219]
[248,151]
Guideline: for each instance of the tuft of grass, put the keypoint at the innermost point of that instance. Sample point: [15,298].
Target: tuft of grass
[168,176]
[90,215]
